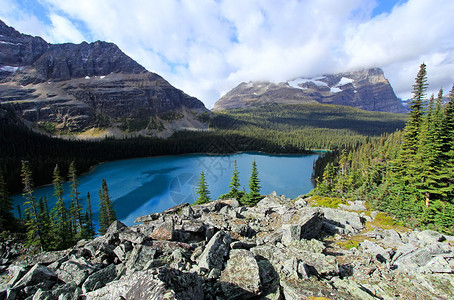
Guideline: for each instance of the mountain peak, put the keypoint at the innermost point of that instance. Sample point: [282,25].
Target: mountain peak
[367,89]
[75,87]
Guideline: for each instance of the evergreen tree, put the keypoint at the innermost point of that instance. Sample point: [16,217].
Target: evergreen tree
[202,190]
[89,231]
[34,237]
[46,224]
[76,210]
[407,165]
[107,213]
[61,226]
[234,185]
[254,196]
[7,219]
[447,138]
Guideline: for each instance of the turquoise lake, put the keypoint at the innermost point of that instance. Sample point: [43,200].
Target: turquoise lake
[146,185]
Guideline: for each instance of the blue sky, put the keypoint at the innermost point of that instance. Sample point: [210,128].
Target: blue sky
[207,47]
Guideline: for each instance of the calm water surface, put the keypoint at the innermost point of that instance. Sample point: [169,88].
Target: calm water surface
[142,186]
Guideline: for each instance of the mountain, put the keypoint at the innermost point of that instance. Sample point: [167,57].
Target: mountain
[69,88]
[365,89]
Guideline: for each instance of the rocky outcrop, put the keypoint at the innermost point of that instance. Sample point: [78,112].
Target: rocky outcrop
[365,89]
[279,249]
[61,88]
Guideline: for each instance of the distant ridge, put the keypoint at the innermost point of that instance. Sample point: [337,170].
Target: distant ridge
[366,89]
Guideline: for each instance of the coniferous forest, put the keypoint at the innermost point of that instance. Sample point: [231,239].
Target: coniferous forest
[409,173]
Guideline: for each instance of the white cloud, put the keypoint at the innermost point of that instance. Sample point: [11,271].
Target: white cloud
[207,47]
[24,22]
[64,31]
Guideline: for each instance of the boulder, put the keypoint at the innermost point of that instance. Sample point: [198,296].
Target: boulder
[215,251]
[430,236]
[308,227]
[275,203]
[381,254]
[132,236]
[340,221]
[99,279]
[162,283]
[74,271]
[241,277]
[164,231]
[37,274]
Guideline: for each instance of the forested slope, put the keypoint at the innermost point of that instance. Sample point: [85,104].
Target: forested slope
[409,173]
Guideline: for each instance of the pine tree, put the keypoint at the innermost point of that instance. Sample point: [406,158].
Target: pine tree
[234,185]
[7,219]
[76,210]
[61,226]
[407,164]
[34,237]
[202,190]
[46,225]
[107,213]
[447,138]
[89,231]
[253,197]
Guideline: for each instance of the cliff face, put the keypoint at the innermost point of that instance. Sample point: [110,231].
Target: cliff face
[366,89]
[72,88]
[279,249]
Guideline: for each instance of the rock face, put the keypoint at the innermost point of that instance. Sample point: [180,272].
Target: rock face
[289,251]
[68,87]
[365,89]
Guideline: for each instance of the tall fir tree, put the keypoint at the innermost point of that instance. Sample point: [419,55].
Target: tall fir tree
[61,225]
[253,197]
[202,190]
[7,220]
[76,209]
[234,184]
[107,213]
[447,137]
[34,237]
[412,129]
[89,231]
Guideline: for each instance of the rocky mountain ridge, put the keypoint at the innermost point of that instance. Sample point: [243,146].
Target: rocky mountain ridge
[279,249]
[72,88]
[365,89]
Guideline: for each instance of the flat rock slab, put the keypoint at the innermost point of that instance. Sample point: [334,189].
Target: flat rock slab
[241,277]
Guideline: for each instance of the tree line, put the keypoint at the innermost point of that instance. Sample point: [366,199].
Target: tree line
[409,173]
[248,199]
[271,129]
[59,227]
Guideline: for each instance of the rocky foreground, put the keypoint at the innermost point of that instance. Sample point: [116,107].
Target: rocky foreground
[280,249]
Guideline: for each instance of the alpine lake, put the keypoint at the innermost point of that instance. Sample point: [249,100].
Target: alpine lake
[143,186]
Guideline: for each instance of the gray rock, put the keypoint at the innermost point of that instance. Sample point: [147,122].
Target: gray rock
[356,290]
[163,283]
[380,254]
[99,279]
[36,275]
[215,251]
[15,273]
[272,202]
[164,231]
[345,222]
[74,271]
[115,227]
[147,218]
[139,258]
[430,236]
[129,235]
[308,227]
[241,277]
